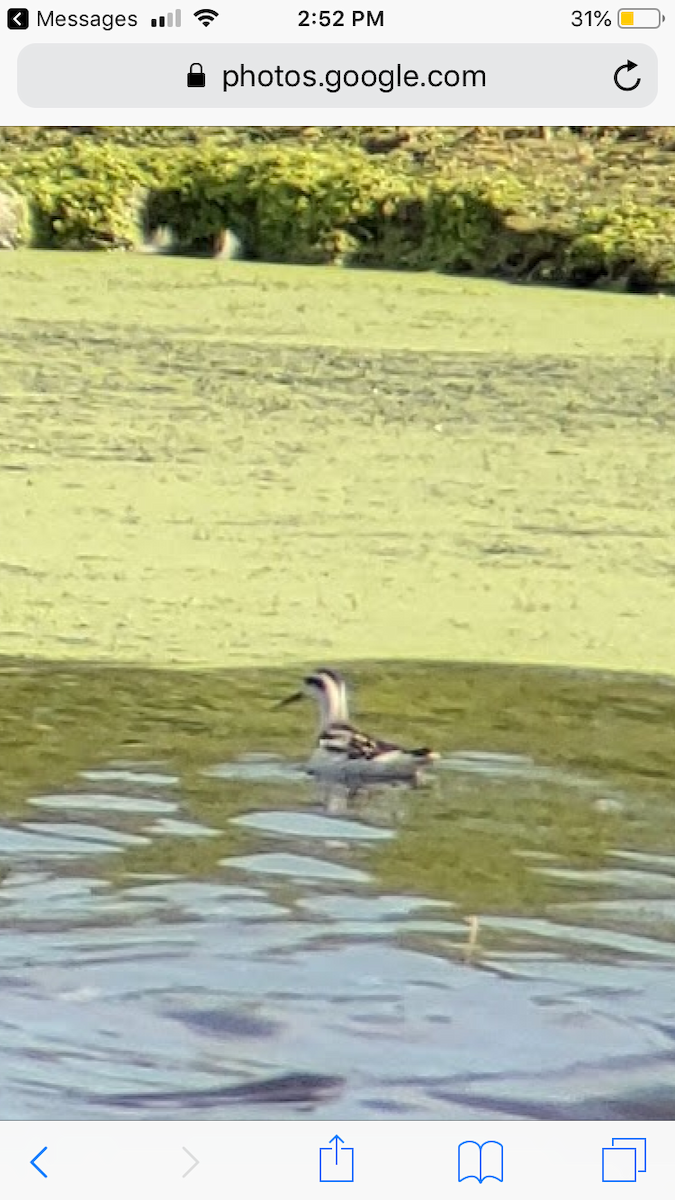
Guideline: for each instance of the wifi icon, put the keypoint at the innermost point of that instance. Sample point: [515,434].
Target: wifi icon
[206,16]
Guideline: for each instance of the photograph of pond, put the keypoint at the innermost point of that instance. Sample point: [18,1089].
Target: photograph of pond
[337,581]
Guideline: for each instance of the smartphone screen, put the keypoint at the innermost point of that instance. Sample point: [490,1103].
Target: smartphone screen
[337,838]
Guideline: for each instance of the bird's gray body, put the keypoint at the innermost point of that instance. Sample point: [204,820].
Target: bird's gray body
[344,754]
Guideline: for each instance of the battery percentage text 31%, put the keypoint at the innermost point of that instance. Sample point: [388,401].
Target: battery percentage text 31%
[590,18]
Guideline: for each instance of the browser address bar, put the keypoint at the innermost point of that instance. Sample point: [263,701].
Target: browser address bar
[345,76]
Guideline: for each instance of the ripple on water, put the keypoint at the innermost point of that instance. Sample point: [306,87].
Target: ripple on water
[107,802]
[63,841]
[509,766]
[296,866]
[583,936]
[34,895]
[183,829]
[258,769]
[642,883]
[312,825]
[139,778]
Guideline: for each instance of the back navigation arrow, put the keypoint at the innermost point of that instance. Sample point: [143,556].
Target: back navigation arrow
[18,18]
[34,1162]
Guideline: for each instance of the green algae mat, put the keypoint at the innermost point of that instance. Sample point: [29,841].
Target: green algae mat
[229,464]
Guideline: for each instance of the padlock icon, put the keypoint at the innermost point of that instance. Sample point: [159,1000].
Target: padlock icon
[196,76]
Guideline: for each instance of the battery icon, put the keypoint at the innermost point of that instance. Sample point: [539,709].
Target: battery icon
[640,18]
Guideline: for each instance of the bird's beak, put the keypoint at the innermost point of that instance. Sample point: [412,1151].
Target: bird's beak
[290,700]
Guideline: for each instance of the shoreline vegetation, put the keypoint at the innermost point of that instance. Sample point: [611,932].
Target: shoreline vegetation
[582,206]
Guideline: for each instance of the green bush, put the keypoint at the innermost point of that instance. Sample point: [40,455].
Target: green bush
[195,198]
[86,215]
[84,197]
[513,207]
[634,247]
[309,208]
[534,250]
[285,204]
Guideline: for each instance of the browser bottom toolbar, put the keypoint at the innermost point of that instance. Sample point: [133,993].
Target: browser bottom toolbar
[294,1158]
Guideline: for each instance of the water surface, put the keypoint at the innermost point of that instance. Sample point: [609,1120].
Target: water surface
[188,931]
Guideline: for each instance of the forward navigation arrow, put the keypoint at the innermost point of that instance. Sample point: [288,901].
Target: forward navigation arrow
[195,1162]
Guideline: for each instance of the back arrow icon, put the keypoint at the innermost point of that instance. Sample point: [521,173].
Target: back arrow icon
[33,1162]
[626,87]
[195,1162]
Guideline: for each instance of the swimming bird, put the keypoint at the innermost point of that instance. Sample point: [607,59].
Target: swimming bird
[343,753]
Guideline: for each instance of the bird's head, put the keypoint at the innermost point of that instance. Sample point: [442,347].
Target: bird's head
[329,690]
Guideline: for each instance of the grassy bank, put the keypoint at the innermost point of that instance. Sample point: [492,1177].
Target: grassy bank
[226,464]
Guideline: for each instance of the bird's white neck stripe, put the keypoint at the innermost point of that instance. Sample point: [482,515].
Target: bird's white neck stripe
[332,703]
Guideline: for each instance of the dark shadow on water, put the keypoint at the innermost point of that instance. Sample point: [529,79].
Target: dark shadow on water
[188,929]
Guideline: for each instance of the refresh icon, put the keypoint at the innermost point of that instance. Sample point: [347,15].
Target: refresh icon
[626,87]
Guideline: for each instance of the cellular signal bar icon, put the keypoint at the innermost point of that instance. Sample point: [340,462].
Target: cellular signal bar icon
[171,19]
